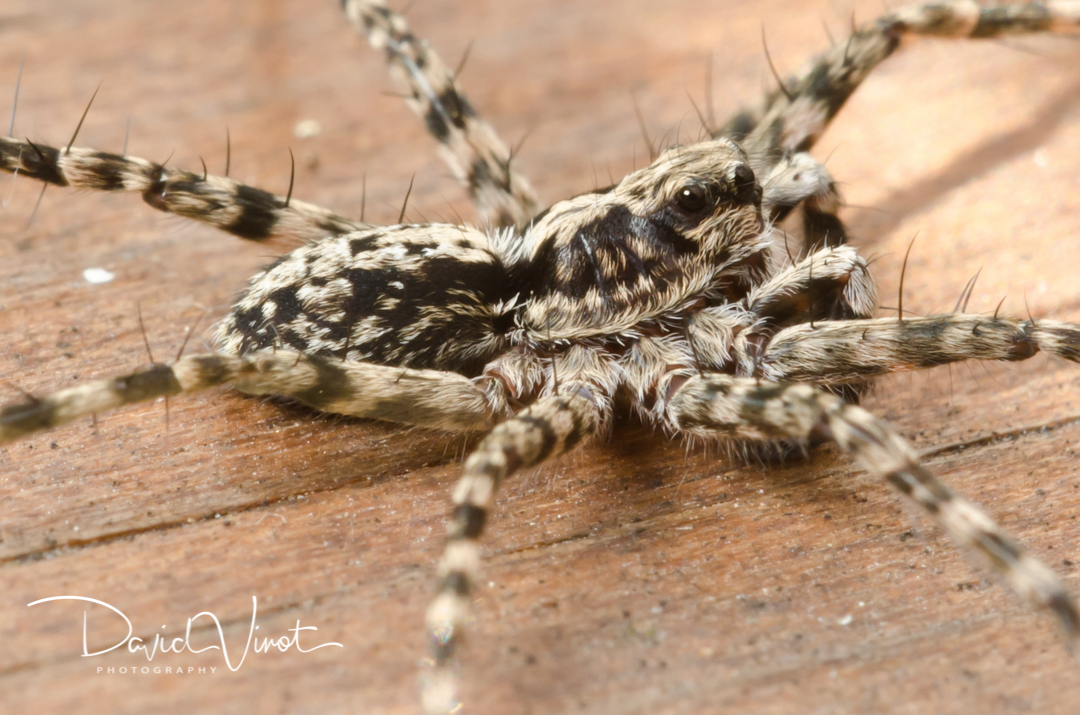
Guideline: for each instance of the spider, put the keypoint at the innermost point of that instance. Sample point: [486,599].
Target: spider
[724,186]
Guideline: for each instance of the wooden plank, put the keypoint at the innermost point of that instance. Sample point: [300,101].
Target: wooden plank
[630,577]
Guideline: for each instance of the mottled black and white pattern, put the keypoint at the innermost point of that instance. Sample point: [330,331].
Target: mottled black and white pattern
[433,297]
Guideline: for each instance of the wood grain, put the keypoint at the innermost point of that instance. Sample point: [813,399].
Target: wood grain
[631,577]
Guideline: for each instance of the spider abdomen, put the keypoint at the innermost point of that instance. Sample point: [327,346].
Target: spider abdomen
[432,296]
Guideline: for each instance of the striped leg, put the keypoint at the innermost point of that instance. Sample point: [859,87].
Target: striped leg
[427,398]
[837,353]
[747,408]
[233,207]
[792,118]
[469,145]
[552,426]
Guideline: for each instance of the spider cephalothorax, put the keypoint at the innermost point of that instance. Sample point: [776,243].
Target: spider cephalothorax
[671,291]
[687,229]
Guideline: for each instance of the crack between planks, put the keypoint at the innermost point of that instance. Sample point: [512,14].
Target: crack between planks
[241,508]
[994,437]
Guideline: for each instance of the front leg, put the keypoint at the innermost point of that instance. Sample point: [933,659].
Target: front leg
[852,351]
[745,408]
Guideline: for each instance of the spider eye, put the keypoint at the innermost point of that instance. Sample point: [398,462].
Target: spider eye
[692,199]
[745,185]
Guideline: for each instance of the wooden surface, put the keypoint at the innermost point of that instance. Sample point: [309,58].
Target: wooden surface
[631,577]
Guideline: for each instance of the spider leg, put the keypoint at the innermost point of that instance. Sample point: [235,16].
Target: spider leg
[829,284]
[792,118]
[850,351]
[746,408]
[552,426]
[802,179]
[426,398]
[235,208]
[469,145]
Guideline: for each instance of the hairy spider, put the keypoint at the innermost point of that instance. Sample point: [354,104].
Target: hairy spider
[649,293]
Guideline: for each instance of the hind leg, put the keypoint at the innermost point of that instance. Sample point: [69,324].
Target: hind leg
[427,398]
